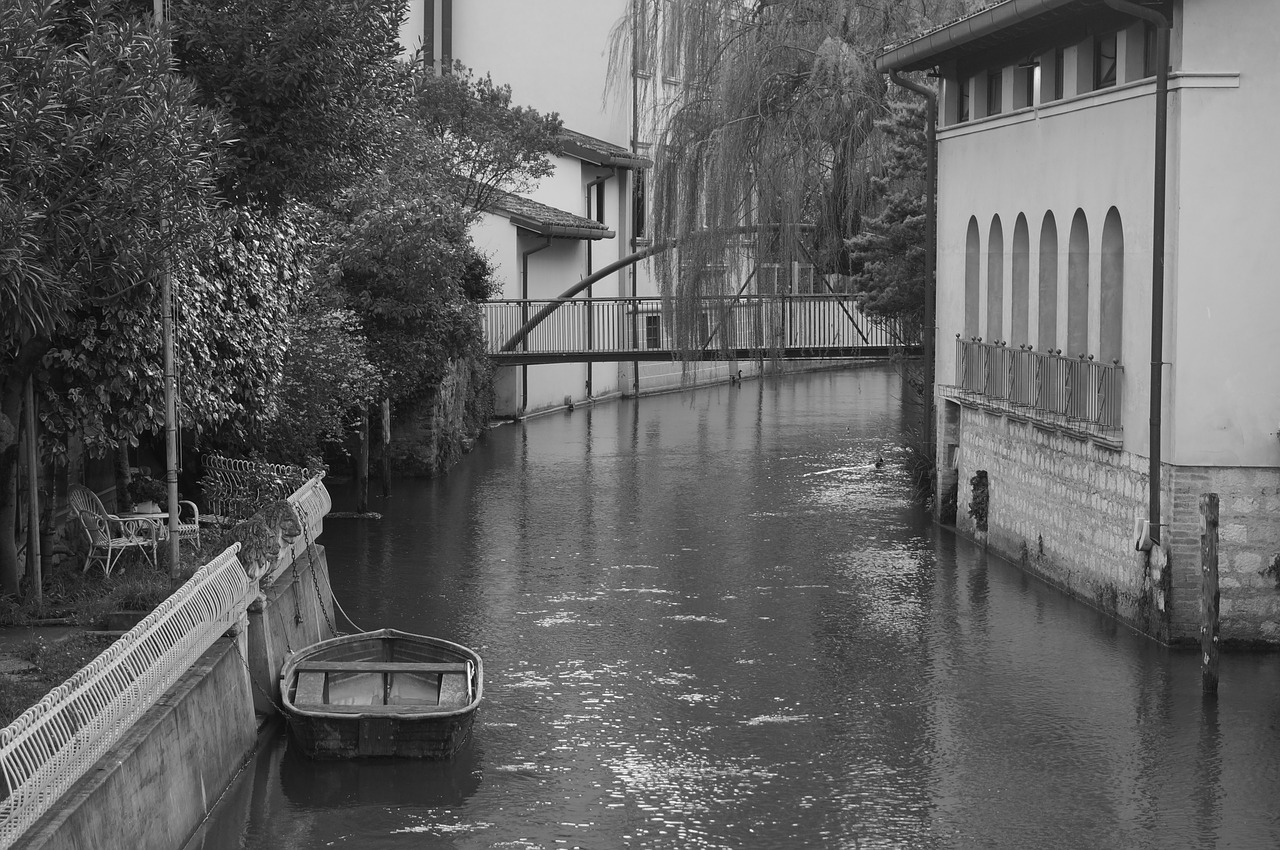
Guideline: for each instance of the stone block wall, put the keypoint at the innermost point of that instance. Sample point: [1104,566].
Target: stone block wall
[428,439]
[1061,505]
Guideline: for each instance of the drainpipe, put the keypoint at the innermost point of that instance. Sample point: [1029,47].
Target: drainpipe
[446,36]
[599,216]
[524,296]
[429,34]
[1163,26]
[930,254]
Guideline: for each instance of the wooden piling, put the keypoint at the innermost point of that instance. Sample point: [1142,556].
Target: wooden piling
[386,448]
[1209,596]
[362,463]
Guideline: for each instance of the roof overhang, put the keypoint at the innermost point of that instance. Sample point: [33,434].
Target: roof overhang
[1009,29]
[560,231]
[547,220]
[599,152]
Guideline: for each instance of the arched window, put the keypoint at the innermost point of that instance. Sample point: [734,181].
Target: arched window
[972,304]
[1112,287]
[1047,337]
[1019,330]
[1078,287]
[995,282]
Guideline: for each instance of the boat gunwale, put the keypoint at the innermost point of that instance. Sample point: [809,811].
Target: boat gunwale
[289,671]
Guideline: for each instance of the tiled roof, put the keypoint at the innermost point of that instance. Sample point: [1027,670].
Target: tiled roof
[600,152]
[973,13]
[1008,25]
[547,220]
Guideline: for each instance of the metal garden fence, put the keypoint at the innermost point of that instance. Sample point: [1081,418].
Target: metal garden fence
[56,741]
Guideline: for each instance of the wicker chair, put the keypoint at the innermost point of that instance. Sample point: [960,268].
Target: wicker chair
[108,535]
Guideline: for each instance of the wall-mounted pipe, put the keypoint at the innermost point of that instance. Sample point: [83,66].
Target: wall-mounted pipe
[931,250]
[524,295]
[429,33]
[596,185]
[1163,28]
[446,36]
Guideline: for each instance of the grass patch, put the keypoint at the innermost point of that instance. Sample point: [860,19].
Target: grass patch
[54,663]
[82,599]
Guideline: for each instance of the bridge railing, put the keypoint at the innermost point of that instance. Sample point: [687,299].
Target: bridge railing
[56,741]
[816,322]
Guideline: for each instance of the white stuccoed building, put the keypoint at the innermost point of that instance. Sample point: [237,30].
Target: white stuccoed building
[556,56]
[1046,147]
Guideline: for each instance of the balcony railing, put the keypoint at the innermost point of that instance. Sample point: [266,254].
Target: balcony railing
[1045,385]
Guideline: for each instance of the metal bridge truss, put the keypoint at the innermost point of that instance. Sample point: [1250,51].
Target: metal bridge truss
[744,327]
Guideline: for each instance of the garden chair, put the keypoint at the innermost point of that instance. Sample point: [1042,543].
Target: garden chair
[110,536]
[188,522]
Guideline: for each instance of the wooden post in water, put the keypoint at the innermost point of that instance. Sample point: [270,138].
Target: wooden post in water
[33,496]
[362,462]
[386,447]
[1209,592]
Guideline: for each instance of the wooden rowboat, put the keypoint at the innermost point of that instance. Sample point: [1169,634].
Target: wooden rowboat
[383,693]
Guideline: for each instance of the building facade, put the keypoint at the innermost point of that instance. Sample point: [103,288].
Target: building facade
[601,67]
[611,69]
[1047,304]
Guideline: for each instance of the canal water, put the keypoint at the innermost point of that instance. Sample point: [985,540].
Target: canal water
[709,620]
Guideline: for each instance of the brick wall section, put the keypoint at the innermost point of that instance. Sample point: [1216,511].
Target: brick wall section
[1063,507]
[1248,547]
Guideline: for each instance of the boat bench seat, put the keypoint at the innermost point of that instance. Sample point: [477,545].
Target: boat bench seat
[310,689]
[455,690]
[454,686]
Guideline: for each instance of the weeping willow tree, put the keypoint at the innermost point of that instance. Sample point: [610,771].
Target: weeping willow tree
[768,122]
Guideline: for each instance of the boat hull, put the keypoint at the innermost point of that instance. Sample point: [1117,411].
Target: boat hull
[406,721]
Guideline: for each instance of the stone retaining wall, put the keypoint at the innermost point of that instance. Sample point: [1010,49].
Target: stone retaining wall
[1064,507]
[294,610]
[1061,506]
[440,429]
[154,787]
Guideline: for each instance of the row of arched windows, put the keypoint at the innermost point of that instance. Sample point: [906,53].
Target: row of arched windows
[1077,339]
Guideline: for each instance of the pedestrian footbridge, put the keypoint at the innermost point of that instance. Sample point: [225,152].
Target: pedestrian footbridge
[744,327]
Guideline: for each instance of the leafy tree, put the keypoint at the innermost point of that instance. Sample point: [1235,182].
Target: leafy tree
[327,375]
[399,251]
[774,125]
[107,165]
[889,253]
[465,132]
[401,259]
[311,89]
[234,290]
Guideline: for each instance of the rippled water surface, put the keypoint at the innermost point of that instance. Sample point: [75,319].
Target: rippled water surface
[709,621]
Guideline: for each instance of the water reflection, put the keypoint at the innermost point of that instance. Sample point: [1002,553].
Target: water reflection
[709,620]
